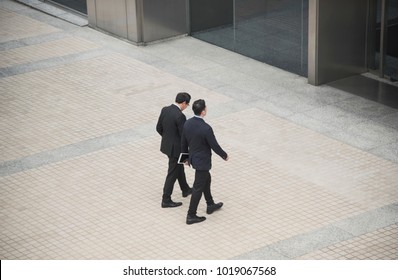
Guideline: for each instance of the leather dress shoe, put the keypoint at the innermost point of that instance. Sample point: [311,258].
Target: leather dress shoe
[187,192]
[214,207]
[170,204]
[194,219]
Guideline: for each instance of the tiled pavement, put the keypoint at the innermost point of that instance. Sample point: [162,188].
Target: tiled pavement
[313,172]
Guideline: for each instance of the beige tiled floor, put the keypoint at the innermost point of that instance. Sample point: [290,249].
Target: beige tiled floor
[15,26]
[379,245]
[43,51]
[283,180]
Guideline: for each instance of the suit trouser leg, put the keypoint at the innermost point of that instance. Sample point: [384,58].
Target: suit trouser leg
[175,171]
[182,179]
[207,191]
[201,185]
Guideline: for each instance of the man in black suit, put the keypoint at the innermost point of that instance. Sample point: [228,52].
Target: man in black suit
[169,126]
[198,139]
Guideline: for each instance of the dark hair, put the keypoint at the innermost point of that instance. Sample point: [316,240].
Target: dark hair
[183,97]
[198,106]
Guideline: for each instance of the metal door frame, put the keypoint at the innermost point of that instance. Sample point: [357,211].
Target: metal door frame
[372,4]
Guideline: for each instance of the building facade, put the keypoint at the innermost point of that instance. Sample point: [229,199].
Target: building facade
[323,40]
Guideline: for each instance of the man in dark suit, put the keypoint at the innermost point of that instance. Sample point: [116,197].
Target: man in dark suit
[169,126]
[198,139]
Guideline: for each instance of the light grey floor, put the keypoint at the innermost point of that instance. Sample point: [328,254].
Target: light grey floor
[234,84]
[367,121]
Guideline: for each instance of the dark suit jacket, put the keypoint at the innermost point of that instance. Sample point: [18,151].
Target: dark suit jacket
[198,138]
[170,124]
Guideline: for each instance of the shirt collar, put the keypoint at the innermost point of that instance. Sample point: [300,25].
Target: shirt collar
[177,106]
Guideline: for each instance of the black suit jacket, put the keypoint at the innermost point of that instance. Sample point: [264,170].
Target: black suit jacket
[198,139]
[170,125]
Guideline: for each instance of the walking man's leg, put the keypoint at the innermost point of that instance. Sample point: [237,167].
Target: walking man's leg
[171,177]
[201,179]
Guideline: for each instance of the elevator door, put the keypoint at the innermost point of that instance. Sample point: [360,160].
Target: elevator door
[383,38]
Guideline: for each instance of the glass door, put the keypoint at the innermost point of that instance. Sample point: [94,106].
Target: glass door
[391,41]
[271,31]
[383,38]
[274,32]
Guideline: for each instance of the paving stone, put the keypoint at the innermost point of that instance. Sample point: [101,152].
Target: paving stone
[81,174]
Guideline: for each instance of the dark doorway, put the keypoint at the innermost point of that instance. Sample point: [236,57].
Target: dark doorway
[383,38]
[79,6]
[369,88]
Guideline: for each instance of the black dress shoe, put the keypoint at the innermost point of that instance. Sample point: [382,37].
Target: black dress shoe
[214,207]
[187,192]
[170,204]
[194,219]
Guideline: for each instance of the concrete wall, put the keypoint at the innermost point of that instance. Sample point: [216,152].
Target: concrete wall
[140,21]
[206,14]
[337,39]
[163,19]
